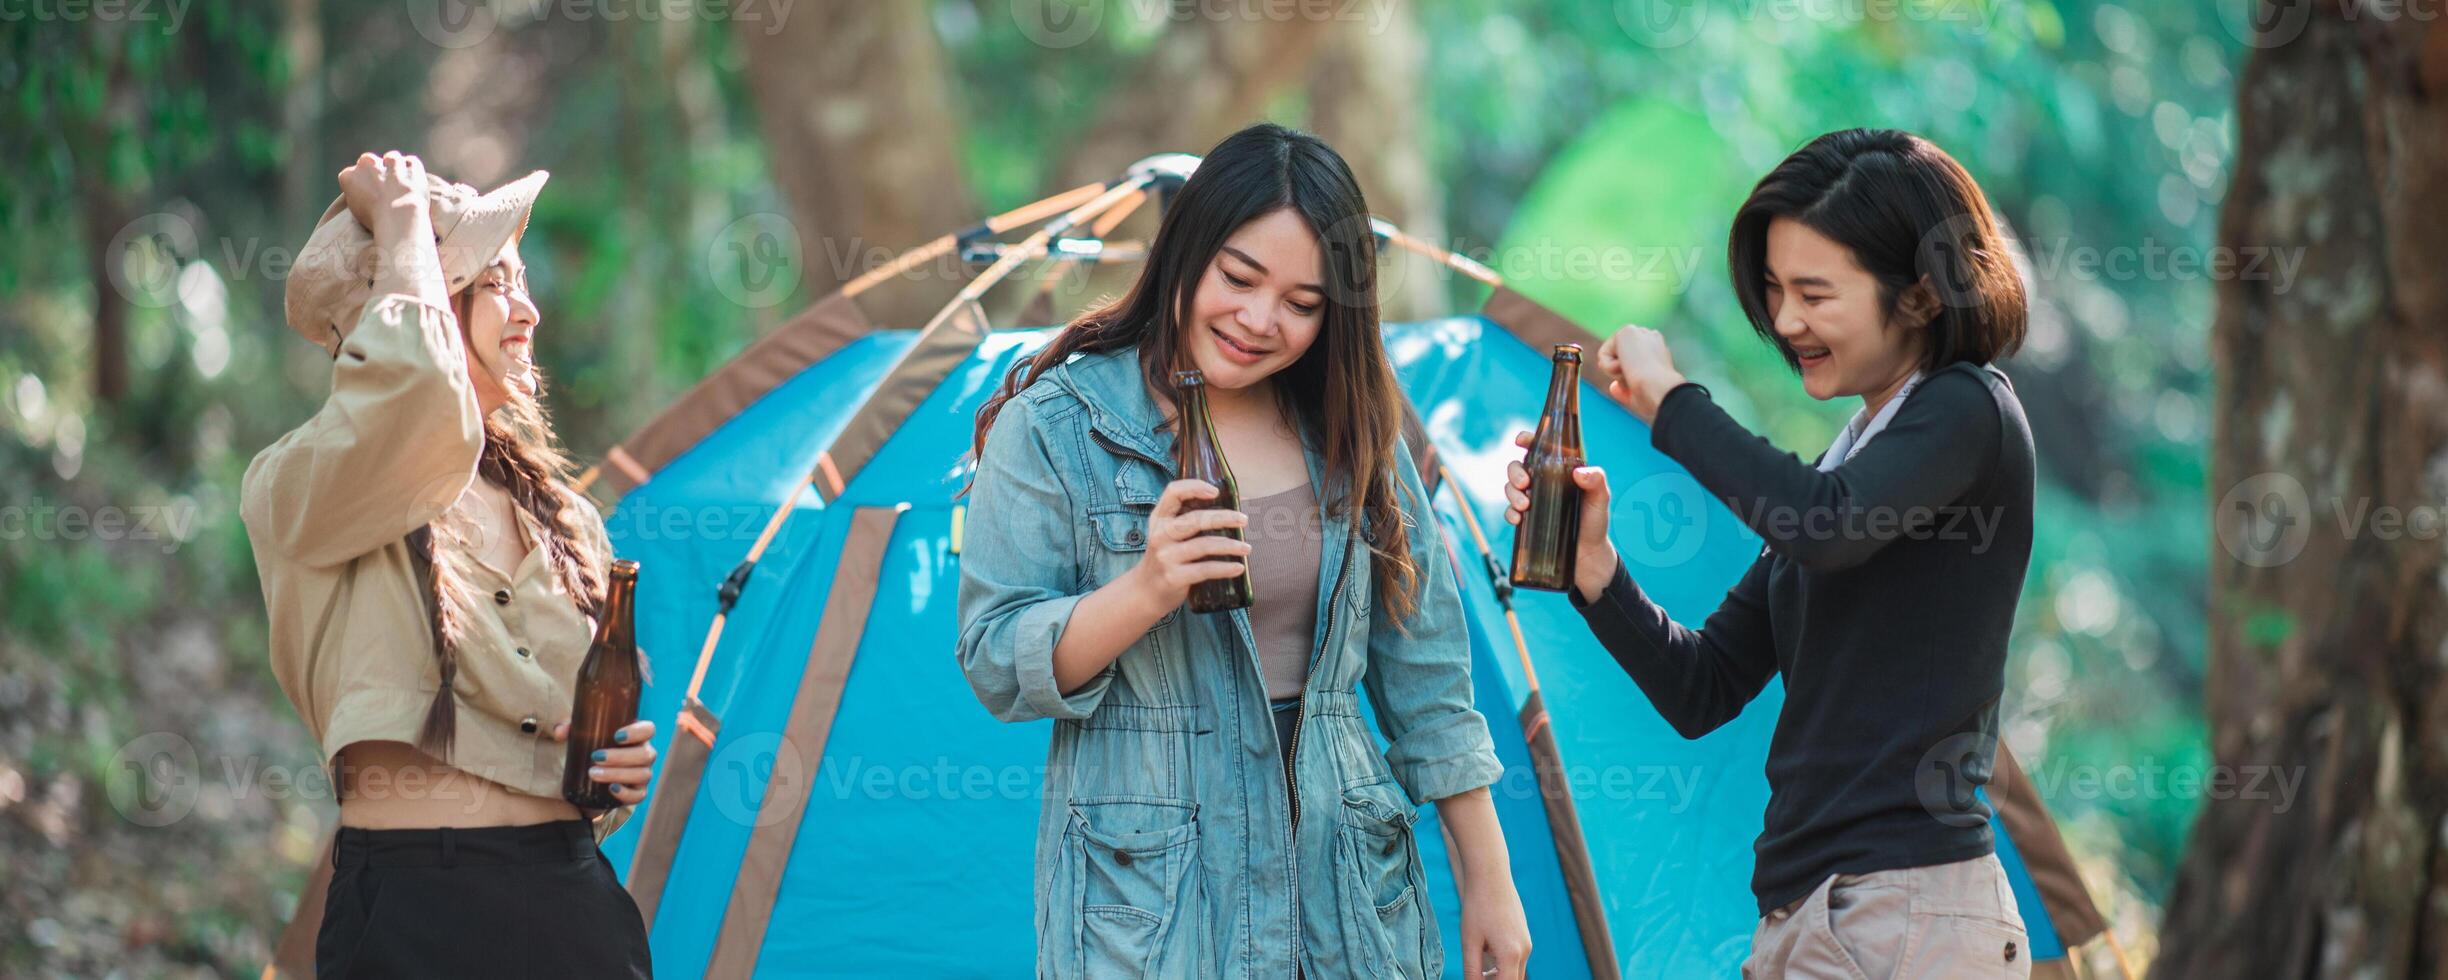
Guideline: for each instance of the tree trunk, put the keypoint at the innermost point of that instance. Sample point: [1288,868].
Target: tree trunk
[2329,618]
[105,218]
[306,185]
[1210,73]
[1366,92]
[855,105]
[105,212]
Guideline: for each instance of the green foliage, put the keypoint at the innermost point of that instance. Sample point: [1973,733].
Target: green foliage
[2097,129]
[1593,157]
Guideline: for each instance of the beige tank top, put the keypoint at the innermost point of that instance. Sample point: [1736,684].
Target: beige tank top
[1285,537]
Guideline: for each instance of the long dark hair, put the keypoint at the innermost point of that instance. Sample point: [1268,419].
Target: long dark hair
[522,455]
[1910,214]
[1252,173]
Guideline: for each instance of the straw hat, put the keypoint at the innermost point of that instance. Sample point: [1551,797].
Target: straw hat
[334,274]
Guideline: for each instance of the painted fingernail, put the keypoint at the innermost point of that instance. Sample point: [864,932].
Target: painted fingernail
[621,736]
[601,754]
[595,773]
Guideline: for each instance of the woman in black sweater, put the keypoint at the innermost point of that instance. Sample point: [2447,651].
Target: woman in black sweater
[1886,591]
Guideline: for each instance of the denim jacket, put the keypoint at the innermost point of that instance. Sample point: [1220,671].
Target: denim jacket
[1166,845]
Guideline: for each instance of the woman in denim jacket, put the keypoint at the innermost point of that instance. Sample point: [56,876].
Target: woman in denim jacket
[1215,804]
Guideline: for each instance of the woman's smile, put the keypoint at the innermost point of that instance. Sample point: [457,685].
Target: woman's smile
[1237,351]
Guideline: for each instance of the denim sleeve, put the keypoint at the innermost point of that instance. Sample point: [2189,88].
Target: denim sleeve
[1018,565]
[1418,677]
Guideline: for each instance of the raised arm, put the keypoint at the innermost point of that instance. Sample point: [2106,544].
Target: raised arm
[396,441]
[1697,679]
[1939,444]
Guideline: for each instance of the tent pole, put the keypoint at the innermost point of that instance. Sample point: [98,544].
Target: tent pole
[1563,814]
[1103,226]
[668,812]
[1025,214]
[1458,263]
[737,581]
[1012,258]
[1043,208]
[2124,966]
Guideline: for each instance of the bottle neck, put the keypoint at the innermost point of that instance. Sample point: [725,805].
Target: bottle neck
[618,623]
[1199,455]
[1560,423]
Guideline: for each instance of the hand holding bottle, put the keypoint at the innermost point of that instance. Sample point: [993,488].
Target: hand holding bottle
[627,766]
[1594,566]
[1180,551]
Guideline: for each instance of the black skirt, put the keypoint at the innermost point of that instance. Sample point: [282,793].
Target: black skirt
[532,901]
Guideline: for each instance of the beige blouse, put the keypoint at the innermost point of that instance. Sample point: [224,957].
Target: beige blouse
[327,508]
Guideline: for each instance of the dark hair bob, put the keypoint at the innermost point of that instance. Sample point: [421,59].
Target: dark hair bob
[1910,214]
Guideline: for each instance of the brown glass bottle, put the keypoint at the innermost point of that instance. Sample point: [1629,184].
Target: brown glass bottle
[1549,537]
[1200,457]
[609,682]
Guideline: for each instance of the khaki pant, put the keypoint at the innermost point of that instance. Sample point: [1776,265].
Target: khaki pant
[1942,921]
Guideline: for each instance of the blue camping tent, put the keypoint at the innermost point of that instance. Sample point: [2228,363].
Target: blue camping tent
[832,800]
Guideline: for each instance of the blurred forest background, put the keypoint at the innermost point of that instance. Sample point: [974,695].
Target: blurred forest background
[720,163]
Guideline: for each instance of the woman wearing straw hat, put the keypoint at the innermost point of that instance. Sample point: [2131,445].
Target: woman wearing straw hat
[431,582]
[1887,589]
[1216,803]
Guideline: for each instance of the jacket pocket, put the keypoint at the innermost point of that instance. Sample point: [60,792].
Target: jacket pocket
[1388,930]
[1133,885]
[1121,538]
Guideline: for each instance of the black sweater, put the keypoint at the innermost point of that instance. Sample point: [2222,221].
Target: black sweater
[1885,596]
